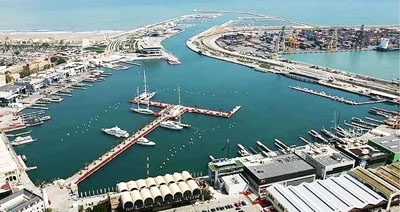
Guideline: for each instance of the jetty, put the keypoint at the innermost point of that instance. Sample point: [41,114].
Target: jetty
[189,109]
[332,97]
[163,115]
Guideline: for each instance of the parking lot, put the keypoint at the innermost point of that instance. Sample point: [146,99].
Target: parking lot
[227,203]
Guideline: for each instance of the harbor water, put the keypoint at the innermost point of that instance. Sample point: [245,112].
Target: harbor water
[269,110]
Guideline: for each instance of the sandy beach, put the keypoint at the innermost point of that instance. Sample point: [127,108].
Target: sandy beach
[69,36]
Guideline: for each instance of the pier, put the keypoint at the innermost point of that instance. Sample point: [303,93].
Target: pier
[335,98]
[163,115]
[189,109]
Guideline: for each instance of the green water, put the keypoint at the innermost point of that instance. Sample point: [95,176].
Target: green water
[269,110]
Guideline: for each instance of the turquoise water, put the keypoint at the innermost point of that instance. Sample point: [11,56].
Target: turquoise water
[269,108]
[78,15]
[372,63]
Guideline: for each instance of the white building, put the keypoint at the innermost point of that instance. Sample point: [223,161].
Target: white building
[334,194]
[9,171]
[146,47]
[22,201]
[234,184]
[326,160]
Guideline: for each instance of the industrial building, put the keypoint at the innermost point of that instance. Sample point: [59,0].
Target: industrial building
[343,193]
[223,167]
[389,145]
[327,161]
[9,172]
[364,155]
[287,169]
[160,191]
[384,180]
[22,201]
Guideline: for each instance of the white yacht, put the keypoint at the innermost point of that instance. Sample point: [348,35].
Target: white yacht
[146,95]
[145,142]
[170,125]
[138,109]
[116,131]
[22,140]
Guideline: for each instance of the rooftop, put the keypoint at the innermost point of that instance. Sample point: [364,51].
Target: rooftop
[18,201]
[324,154]
[384,178]
[233,179]
[225,164]
[342,193]
[390,143]
[278,166]
[7,163]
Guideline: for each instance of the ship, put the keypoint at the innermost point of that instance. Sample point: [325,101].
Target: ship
[138,109]
[145,142]
[116,131]
[146,95]
[170,125]
[172,61]
[20,140]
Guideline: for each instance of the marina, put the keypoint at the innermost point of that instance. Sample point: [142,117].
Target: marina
[148,128]
[264,115]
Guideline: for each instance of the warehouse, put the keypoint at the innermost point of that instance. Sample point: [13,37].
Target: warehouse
[343,193]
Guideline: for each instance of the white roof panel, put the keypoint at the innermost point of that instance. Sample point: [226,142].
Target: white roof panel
[342,193]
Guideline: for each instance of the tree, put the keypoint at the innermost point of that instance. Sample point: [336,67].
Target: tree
[101,207]
[47,66]
[24,73]
[8,78]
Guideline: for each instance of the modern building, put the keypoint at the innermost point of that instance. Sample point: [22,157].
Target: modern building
[287,169]
[384,180]
[9,172]
[161,191]
[343,193]
[22,201]
[218,168]
[389,145]
[233,184]
[326,160]
[364,155]
[145,47]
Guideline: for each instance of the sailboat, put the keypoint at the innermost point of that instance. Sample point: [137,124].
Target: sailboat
[138,109]
[179,122]
[145,95]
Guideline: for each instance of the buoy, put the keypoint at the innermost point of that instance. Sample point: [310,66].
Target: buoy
[67,133]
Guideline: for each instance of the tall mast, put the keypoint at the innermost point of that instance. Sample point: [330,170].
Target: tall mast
[137,90]
[145,82]
[179,101]
[179,96]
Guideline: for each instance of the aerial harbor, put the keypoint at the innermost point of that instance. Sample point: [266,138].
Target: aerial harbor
[199,106]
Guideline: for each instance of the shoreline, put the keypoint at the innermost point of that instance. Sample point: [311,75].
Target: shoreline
[58,35]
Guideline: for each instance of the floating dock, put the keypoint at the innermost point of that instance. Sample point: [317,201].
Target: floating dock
[163,115]
[167,106]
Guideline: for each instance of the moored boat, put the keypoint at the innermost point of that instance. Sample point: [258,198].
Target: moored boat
[170,125]
[145,142]
[116,131]
[20,140]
